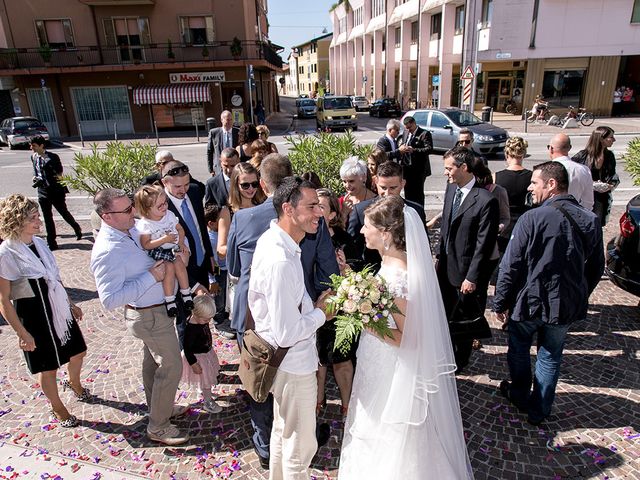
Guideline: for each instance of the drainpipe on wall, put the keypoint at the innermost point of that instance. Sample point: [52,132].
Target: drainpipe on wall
[418,83]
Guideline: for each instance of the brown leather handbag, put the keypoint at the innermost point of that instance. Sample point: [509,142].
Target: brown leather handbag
[259,361]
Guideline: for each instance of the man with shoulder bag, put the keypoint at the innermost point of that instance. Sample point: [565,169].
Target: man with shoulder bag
[285,318]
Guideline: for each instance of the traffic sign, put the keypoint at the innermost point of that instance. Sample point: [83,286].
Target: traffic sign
[468,73]
[466,92]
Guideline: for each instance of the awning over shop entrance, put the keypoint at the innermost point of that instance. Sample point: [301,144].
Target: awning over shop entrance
[172,94]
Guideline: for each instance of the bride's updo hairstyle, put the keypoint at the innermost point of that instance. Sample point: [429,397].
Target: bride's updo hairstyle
[387,215]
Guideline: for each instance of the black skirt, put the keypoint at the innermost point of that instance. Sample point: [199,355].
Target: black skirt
[36,316]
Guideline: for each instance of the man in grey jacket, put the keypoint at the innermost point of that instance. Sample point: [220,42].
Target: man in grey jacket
[553,262]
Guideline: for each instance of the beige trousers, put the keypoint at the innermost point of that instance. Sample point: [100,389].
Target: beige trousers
[161,363]
[293,436]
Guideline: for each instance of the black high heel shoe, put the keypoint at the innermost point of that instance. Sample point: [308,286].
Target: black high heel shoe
[82,397]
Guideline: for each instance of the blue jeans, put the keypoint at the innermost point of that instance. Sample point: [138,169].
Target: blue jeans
[547,369]
[261,418]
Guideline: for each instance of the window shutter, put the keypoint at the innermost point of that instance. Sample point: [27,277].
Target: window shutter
[41,32]
[184,30]
[145,32]
[68,32]
[109,32]
[211,34]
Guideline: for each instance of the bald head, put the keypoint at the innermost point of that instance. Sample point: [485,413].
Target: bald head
[559,146]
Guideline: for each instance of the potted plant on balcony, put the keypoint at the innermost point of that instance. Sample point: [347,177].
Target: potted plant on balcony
[170,55]
[236,48]
[205,52]
[45,53]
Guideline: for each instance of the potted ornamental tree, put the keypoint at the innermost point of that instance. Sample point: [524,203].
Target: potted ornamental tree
[236,48]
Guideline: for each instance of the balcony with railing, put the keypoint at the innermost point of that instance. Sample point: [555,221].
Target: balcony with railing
[43,57]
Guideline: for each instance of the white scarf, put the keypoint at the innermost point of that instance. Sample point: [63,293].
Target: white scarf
[30,266]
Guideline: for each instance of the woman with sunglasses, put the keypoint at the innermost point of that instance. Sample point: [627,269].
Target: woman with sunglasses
[244,192]
[264,133]
[35,304]
[602,163]
[246,136]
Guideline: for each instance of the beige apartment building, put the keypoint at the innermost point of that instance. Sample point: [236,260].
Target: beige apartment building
[134,65]
[574,52]
[309,66]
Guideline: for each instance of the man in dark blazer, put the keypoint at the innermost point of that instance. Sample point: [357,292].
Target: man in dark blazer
[162,157]
[318,262]
[469,232]
[390,143]
[225,136]
[217,187]
[417,168]
[185,201]
[47,169]
[389,181]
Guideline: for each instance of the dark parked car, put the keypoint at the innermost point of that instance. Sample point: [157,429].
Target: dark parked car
[445,124]
[16,131]
[623,251]
[384,107]
[306,108]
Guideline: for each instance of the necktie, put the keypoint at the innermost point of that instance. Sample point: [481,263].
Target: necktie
[227,142]
[456,203]
[191,225]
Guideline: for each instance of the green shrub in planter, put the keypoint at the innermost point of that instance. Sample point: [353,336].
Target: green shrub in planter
[118,166]
[323,154]
[632,159]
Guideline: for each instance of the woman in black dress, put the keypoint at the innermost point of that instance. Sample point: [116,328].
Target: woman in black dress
[246,136]
[36,305]
[326,335]
[602,163]
[515,179]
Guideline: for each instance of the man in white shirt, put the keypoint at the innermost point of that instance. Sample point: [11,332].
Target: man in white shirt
[285,316]
[580,179]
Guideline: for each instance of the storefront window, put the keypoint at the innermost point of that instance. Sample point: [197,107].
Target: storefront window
[563,88]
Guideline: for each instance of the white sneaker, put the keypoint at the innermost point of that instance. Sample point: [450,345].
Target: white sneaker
[169,436]
[211,406]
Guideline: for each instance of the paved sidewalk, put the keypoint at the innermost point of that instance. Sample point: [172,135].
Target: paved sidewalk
[594,431]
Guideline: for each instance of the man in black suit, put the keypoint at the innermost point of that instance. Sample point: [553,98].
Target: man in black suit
[185,201]
[470,219]
[389,181]
[47,169]
[217,187]
[390,143]
[417,168]
[220,138]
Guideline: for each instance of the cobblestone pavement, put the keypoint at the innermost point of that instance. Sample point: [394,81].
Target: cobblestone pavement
[593,433]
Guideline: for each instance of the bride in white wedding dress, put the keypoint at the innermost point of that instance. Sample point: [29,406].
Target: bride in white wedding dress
[404,417]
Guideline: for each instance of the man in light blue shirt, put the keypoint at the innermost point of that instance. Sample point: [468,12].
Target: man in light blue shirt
[127,277]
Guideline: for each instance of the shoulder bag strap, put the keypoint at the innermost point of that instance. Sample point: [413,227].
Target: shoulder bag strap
[574,226]
[278,356]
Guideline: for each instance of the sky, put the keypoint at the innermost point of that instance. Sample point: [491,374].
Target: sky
[294,22]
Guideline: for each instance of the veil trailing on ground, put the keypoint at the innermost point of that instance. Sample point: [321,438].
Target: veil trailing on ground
[424,386]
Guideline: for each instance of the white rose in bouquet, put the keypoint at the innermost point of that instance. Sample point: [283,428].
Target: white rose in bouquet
[365,307]
[350,306]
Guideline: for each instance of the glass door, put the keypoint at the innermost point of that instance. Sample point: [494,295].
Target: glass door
[41,105]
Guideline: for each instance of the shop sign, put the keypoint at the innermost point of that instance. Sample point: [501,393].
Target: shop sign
[196,77]
[503,55]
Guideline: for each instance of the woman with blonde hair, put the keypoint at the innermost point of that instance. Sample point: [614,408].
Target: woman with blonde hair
[263,132]
[244,192]
[34,302]
[515,179]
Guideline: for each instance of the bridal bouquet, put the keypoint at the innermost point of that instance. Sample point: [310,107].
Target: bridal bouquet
[361,300]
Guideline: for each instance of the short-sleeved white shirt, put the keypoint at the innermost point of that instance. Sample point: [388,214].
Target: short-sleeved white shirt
[159,228]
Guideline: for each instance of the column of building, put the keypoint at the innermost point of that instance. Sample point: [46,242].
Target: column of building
[446,56]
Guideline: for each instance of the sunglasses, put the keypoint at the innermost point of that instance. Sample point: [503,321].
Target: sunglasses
[126,211]
[464,142]
[247,185]
[176,171]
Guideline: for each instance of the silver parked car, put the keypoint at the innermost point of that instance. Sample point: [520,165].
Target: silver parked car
[360,103]
[306,108]
[446,123]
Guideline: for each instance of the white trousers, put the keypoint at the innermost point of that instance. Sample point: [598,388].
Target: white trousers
[293,436]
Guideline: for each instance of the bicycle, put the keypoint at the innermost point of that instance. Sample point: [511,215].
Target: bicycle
[542,116]
[584,117]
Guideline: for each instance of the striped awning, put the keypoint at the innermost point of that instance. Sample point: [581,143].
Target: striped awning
[172,93]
